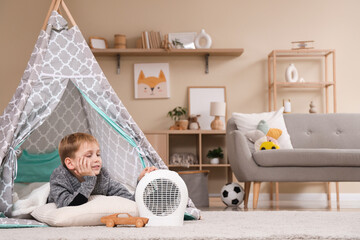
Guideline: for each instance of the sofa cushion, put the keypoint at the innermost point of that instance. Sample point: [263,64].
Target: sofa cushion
[334,130]
[307,157]
[249,122]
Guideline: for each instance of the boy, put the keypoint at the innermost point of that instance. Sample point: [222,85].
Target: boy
[81,174]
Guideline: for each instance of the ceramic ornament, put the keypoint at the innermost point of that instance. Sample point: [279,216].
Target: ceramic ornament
[291,74]
[203,35]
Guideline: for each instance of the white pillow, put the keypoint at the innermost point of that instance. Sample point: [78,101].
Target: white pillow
[87,214]
[248,122]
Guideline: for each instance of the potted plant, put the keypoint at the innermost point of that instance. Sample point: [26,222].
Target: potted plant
[215,155]
[177,114]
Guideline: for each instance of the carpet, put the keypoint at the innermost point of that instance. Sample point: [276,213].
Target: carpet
[218,225]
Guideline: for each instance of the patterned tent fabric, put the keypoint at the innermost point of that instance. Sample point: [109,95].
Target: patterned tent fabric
[19,223]
[50,103]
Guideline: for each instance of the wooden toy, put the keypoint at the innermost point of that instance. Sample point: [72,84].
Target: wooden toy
[114,219]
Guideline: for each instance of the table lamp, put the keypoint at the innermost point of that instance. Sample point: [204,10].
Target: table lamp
[218,110]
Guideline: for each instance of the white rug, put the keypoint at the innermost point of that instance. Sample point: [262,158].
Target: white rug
[218,225]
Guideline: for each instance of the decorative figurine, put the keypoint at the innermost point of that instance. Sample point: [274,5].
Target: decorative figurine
[312,107]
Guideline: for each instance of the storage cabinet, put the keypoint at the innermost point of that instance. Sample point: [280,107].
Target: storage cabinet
[197,142]
[329,66]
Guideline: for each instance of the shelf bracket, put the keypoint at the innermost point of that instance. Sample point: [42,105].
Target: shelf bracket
[207,63]
[118,64]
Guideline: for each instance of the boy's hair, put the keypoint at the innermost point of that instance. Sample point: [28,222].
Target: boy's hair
[71,143]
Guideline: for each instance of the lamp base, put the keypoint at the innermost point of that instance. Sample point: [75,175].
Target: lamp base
[217,124]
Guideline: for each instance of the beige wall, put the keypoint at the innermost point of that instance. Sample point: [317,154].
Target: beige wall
[258,26]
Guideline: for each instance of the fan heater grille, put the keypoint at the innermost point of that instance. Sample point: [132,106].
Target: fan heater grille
[162,197]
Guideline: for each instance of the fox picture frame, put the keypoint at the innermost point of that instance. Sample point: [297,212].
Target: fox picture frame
[151,80]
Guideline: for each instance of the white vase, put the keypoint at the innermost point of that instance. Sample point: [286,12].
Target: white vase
[207,38]
[291,74]
[214,161]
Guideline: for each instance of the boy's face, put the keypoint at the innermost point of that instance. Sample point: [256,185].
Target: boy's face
[90,151]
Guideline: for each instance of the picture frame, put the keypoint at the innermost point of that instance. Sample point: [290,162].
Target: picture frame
[151,80]
[183,40]
[199,99]
[98,43]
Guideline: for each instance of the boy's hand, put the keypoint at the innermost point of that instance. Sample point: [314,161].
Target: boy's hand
[146,170]
[83,167]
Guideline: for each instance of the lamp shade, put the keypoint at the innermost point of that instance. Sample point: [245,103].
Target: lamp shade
[217,108]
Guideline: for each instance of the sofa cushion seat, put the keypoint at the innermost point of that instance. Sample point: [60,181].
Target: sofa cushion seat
[308,157]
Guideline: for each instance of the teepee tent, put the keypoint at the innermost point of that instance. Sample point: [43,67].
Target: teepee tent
[63,90]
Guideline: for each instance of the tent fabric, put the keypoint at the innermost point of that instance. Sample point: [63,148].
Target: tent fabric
[67,117]
[19,223]
[48,105]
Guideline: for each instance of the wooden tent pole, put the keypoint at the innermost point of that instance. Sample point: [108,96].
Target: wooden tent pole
[57,5]
[59,11]
[68,13]
[48,14]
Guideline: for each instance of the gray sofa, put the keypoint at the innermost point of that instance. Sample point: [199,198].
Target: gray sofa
[326,149]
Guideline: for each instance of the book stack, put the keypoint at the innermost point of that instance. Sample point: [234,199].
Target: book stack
[149,40]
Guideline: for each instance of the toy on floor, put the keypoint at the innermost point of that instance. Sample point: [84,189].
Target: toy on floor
[114,219]
[232,194]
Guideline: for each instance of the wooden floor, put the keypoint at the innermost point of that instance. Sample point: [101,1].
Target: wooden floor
[266,205]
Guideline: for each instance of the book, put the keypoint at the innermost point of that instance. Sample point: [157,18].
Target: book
[147,42]
[139,42]
[143,40]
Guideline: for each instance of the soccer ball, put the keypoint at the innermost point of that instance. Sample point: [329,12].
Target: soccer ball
[232,194]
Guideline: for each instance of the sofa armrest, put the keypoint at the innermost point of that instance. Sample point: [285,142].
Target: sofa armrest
[240,156]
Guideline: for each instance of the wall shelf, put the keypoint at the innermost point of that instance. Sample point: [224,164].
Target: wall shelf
[206,53]
[302,85]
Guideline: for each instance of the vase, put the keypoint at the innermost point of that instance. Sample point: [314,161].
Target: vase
[183,124]
[291,74]
[214,161]
[206,37]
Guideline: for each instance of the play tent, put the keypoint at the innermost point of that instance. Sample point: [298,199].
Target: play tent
[63,90]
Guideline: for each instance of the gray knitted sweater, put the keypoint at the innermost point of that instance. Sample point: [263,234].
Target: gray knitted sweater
[67,190]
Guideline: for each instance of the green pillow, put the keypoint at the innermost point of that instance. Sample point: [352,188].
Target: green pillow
[37,167]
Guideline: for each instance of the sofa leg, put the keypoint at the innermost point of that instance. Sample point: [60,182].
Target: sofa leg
[329,194]
[338,195]
[329,191]
[277,195]
[247,191]
[271,191]
[277,191]
[256,191]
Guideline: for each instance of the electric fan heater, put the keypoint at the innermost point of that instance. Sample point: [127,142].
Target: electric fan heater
[162,196]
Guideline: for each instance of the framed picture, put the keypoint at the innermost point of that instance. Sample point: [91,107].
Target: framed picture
[185,40]
[199,99]
[98,43]
[151,80]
